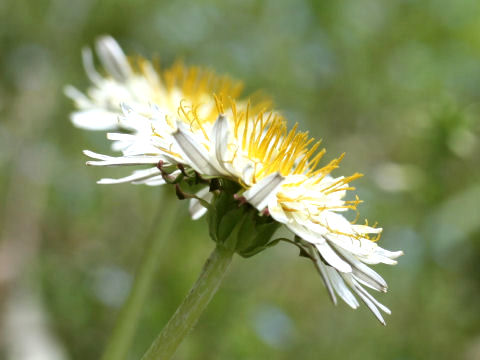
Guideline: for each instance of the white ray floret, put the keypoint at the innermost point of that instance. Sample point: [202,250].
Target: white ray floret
[135,177]
[197,210]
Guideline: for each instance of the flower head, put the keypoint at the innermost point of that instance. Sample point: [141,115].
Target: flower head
[192,128]
[138,83]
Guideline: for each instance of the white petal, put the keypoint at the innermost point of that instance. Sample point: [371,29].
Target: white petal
[158,118]
[121,137]
[119,145]
[77,96]
[336,221]
[194,152]
[341,288]
[351,244]
[97,156]
[367,300]
[220,134]
[152,181]
[376,258]
[197,210]
[332,258]
[247,174]
[260,194]
[363,271]
[322,269]
[92,74]
[139,148]
[304,233]
[134,121]
[95,119]
[113,58]
[390,254]
[365,280]
[156,180]
[135,176]
[365,229]
[105,160]
[277,212]
[371,298]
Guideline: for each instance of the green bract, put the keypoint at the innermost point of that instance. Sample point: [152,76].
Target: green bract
[237,225]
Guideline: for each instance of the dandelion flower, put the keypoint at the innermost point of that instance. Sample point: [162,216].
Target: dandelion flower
[139,84]
[188,137]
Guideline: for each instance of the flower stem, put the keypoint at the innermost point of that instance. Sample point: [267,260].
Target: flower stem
[122,336]
[191,308]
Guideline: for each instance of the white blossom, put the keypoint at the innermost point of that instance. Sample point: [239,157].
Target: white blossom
[224,137]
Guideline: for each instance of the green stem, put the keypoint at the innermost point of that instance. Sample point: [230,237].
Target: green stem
[122,336]
[191,308]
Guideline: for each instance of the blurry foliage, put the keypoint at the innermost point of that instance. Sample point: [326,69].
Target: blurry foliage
[395,84]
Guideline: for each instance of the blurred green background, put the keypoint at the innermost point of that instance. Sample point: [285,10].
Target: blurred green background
[394,84]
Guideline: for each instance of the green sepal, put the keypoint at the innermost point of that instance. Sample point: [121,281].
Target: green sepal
[182,195]
[229,225]
[255,235]
[215,184]
[236,225]
[212,221]
[220,212]
[304,253]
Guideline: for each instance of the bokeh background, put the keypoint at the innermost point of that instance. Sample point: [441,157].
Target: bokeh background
[394,84]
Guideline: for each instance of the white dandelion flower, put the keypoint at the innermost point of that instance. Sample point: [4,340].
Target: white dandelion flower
[276,170]
[139,84]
